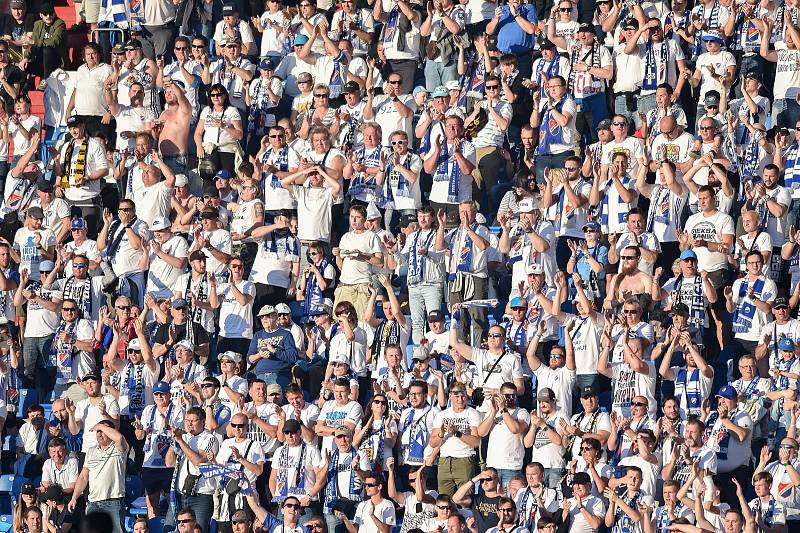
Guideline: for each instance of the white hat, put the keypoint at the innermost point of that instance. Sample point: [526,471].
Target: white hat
[181,180]
[186,343]
[233,356]
[452,85]
[534,269]
[159,224]
[372,211]
[338,358]
[282,309]
[527,205]
[134,345]
[266,310]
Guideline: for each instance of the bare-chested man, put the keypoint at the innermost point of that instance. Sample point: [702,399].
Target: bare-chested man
[173,140]
[630,281]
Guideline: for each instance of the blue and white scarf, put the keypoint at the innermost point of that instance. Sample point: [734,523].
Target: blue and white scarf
[417,261]
[313,293]
[460,260]
[697,305]
[417,437]
[651,66]
[448,169]
[61,352]
[280,161]
[362,184]
[550,131]
[283,487]
[689,385]
[332,490]
[745,311]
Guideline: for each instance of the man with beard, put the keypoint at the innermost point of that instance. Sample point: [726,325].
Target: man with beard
[693,290]
[548,446]
[78,286]
[173,139]
[750,301]
[276,267]
[483,505]
[527,243]
[680,463]
[297,471]
[122,240]
[630,282]
[634,235]
[632,375]
[771,201]
[131,119]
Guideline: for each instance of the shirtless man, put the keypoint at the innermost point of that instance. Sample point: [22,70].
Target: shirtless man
[630,281]
[174,121]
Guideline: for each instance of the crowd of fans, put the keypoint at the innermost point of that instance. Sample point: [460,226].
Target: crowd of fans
[401,267]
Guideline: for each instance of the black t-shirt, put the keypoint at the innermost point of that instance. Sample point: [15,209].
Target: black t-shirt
[484,509]
[60,518]
[13,75]
[199,335]
[523,104]
[10,26]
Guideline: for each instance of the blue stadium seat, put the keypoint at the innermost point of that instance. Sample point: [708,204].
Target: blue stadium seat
[6,522]
[134,488]
[7,482]
[27,397]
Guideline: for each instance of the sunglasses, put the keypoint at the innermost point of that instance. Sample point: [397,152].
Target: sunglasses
[564,9]
[629,257]
[395,82]
[212,95]
[292,505]
[79,265]
[320,96]
[458,392]
[787,447]
[290,432]
[443,507]
[618,123]
[69,309]
[495,335]
[379,402]
[638,404]
[131,350]
[556,355]
[492,87]
[630,311]
[181,48]
[198,46]
[123,307]
[395,143]
[185,521]
[370,485]
[486,479]
[275,136]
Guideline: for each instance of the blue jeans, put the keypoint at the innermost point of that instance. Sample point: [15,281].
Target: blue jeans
[281,378]
[439,74]
[505,475]
[552,477]
[592,110]
[647,103]
[621,108]
[422,299]
[787,112]
[176,163]
[37,370]
[132,286]
[550,161]
[114,508]
[203,506]
[334,524]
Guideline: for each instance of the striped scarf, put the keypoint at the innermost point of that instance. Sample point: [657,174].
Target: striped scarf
[78,170]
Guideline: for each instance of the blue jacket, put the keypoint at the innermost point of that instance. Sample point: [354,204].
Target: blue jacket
[284,357]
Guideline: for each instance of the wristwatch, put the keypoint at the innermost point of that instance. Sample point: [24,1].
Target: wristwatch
[458,434]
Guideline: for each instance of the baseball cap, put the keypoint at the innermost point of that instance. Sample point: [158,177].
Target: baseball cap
[283,309]
[77,223]
[229,9]
[28,488]
[452,85]
[273,388]
[547,44]
[159,224]
[300,40]
[291,426]
[118,48]
[586,27]
[17,3]
[419,89]
[343,430]
[74,120]
[519,302]
[712,35]
[267,64]
[604,124]
[688,254]
[187,344]
[161,387]
[594,226]
[231,356]
[46,266]
[588,391]
[786,344]
[420,353]
[534,269]
[134,344]
[35,212]
[436,316]
[133,44]
[93,375]
[630,23]
[527,205]
[680,309]
[304,77]
[727,392]
[439,91]
[546,395]
[712,98]
[181,180]
[266,310]
[224,174]
[753,75]
[351,87]
[179,303]
[240,517]
[780,302]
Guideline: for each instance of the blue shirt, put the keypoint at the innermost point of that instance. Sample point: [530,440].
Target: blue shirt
[285,354]
[511,38]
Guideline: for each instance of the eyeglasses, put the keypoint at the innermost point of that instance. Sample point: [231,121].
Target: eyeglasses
[587,449]
[69,309]
[629,257]
[395,143]
[495,335]
[79,265]
[314,526]
[185,521]
[395,82]
[565,9]
[492,87]
[180,48]
[238,426]
[292,505]
[619,123]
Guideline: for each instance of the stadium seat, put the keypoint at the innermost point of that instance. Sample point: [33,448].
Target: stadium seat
[156,525]
[134,488]
[27,397]
[6,522]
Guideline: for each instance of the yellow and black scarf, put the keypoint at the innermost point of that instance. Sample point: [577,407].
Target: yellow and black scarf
[79,168]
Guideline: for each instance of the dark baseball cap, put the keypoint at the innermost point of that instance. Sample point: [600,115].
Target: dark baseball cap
[681,309]
[436,316]
[588,391]
[291,426]
[779,302]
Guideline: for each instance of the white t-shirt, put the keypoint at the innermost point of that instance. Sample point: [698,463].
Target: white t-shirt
[356,272]
[711,229]
[559,380]
[163,276]
[787,72]
[89,415]
[507,370]
[152,202]
[446,169]
[132,119]
[569,220]
[287,459]
[720,63]
[21,144]
[363,519]
[386,115]
[585,84]
[334,415]
[491,134]
[314,213]
[30,256]
[594,506]
[465,420]
[731,453]
[750,318]
[216,135]
[546,452]
[506,449]
[236,320]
